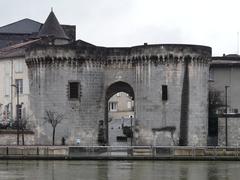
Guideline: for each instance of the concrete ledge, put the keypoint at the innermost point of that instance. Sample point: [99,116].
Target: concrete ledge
[3,151]
[117,153]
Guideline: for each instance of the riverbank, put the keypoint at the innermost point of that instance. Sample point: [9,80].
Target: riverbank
[119,153]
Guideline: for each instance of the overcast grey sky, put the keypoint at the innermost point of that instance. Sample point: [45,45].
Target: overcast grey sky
[120,23]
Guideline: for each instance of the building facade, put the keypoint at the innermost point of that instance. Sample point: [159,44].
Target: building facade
[120,106]
[224,79]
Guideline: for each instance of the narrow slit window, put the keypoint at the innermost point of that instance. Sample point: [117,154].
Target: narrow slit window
[164,92]
[73,90]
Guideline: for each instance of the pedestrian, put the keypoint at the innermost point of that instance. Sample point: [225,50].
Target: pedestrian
[63,141]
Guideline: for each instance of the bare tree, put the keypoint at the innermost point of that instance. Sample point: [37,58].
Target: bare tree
[53,118]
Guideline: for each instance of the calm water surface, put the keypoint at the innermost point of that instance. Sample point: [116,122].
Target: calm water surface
[122,170]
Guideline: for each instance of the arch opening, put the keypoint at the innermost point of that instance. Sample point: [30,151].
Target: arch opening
[119,114]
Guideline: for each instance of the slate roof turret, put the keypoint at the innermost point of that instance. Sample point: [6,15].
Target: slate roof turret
[52,28]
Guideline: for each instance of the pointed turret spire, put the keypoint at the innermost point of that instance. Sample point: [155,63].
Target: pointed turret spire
[52,28]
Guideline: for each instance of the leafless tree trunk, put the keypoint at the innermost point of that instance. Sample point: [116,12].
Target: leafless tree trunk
[53,136]
[53,118]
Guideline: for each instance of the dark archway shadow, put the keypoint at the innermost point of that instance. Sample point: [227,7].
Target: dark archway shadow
[114,88]
[119,87]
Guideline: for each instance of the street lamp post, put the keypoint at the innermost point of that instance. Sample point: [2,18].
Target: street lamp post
[131,131]
[226,123]
[17,110]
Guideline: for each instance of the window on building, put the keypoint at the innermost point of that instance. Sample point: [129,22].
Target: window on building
[112,106]
[18,66]
[129,104]
[7,68]
[19,85]
[7,86]
[164,92]
[6,112]
[74,90]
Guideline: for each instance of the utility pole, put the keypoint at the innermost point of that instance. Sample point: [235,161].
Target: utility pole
[131,131]
[11,92]
[226,123]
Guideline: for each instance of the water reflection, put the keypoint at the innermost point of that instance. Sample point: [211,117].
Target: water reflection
[119,170]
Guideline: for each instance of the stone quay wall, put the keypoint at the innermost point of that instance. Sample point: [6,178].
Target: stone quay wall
[118,153]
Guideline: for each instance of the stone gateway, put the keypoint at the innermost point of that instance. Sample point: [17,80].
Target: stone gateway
[169,84]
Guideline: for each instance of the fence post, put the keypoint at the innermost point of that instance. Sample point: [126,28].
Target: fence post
[37,150]
[108,150]
[193,154]
[154,151]
[173,151]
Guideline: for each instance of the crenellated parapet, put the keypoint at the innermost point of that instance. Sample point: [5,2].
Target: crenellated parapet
[171,54]
[100,57]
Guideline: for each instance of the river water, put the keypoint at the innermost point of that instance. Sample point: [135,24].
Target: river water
[119,170]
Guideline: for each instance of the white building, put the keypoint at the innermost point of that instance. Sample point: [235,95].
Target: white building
[224,78]
[14,39]
[13,74]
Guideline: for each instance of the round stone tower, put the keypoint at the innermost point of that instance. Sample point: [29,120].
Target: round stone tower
[171,92]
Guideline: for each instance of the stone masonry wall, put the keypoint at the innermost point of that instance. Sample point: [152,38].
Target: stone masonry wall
[81,116]
[11,139]
[151,110]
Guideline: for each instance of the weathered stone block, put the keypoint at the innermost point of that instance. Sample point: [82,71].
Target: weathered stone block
[15,150]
